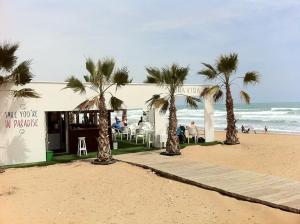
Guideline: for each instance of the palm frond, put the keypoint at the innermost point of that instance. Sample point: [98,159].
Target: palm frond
[26,93]
[157,101]
[251,78]
[227,63]
[168,75]
[121,77]
[86,78]
[90,66]
[21,75]
[179,74]
[218,95]
[115,103]
[151,101]
[245,97]
[209,72]
[75,84]
[164,106]
[89,104]
[204,92]
[7,56]
[154,76]
[107,67]
[192,102]
[209,67]
[161,103]
[214,91]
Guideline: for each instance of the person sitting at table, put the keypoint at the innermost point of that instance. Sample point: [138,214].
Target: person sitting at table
[180,133]
[117,125]
[124,123]
[192,125]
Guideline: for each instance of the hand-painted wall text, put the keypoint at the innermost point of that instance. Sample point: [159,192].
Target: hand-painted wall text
[21,119]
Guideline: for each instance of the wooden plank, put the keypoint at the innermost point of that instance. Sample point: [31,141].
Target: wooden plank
[269,190]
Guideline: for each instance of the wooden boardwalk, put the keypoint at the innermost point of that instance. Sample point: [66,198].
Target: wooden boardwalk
[265,189]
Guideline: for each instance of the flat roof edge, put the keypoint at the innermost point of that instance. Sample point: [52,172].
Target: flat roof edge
[150,84]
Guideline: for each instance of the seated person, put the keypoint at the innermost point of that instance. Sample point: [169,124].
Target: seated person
[124,123]
[193,125]
[117,125]
[180,132]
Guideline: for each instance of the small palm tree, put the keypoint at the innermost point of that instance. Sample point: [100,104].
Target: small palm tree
[102,76]
[172,78]
[13,74]
[223,73]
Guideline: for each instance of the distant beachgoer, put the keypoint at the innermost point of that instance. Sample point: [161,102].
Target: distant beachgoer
[243,129]
[266,129]
[140,121]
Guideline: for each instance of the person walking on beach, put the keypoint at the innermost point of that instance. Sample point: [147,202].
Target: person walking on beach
[266,129]
[243,129]
[140,121]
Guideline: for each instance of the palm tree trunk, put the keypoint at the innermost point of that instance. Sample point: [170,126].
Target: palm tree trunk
[172,146]
[104,152]
[231,132]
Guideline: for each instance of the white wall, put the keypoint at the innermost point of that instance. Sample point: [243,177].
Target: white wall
[27,144]
[22,137]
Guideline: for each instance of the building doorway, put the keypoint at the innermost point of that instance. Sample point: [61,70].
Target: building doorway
[57,131]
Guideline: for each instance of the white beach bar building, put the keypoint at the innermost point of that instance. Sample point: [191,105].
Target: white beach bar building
[29,126]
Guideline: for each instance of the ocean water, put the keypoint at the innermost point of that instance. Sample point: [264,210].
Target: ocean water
[278,117]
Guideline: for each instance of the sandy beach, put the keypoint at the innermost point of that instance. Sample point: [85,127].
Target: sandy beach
[120,193]
[274,154]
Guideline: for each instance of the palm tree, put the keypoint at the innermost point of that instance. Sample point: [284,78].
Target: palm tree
[13,74]
[102,76]
[172,78]
[223,73]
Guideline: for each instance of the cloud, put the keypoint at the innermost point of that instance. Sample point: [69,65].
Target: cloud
[57,34]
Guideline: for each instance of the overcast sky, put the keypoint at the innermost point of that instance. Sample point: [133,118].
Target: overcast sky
[58,35]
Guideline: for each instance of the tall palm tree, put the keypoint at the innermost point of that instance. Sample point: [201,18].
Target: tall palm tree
[172,78]
[102,76]
[223,74]
[12,73]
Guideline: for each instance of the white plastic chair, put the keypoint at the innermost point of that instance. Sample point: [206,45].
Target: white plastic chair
[146,125]
[200,133]
[125,131]
[191,133]
[150,138]
[81,146]
[163,140]
[139,133]
[132,128]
